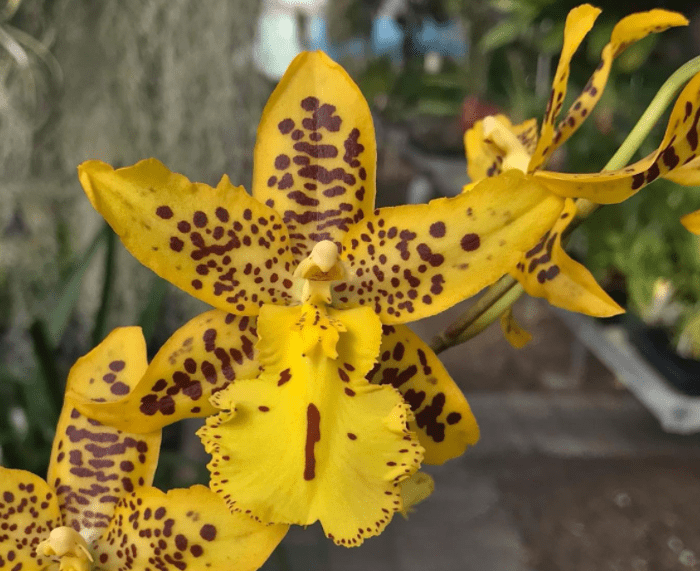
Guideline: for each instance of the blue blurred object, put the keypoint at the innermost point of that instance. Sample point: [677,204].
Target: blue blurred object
[278,41]
[447,39]
[386,38]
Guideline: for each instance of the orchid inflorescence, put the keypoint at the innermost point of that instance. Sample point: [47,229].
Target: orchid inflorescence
[320,403]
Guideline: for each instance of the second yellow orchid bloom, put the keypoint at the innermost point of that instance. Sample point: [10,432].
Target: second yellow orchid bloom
[495,145]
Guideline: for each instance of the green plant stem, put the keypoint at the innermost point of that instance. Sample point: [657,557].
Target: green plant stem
[504,292]
[49,373]
[99,330]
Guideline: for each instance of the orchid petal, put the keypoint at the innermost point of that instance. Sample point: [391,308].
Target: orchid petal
[28,512]
[200,358]
[485,157]
[692,222]
[219,245]
[414,490]
[183,529]
[413,261]
[310,439]
[93,465]
[315,154]
[547,271]
[629,30]
[678,147]
[512,331]
[578,23]
[686,175]
[443,421]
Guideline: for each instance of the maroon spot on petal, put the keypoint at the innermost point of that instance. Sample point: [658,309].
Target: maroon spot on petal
[184,226]
[470,242]
[176,244]
[313,435]
[208,532]
[638,180]
[119,388]
[351,436]
[117,366]
[164,212]
[285,376]
[285,126]
[437,230]
[197,284]
[310,104]
[222,214]
[197,550]
[263,408]
[200,219]
[453,418]
[282,162]
[180,542]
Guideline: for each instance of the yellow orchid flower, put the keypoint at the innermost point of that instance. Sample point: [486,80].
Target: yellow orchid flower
[494,145]
[97,509]
[326,402]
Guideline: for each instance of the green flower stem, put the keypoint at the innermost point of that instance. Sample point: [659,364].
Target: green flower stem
[506,291]
[49,376]
[99,330]
[480,315]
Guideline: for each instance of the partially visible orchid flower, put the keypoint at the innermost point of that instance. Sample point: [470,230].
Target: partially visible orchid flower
[97,509]
[495,145]
[312,287]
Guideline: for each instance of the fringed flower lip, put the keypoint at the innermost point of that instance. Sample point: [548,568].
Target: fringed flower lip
[97,509]
[494,145]
[326,401]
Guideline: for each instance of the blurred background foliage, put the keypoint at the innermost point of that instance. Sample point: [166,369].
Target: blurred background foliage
[82,80]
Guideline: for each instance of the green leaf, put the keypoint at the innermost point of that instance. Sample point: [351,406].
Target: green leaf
[57,318]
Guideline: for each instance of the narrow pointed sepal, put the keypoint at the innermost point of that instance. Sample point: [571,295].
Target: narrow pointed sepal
[310,439]
[217,244]
[626,32]
[678,148]
[692,222]
[579,22]
[199,359]
[547,271]
[512,331]
[443,421]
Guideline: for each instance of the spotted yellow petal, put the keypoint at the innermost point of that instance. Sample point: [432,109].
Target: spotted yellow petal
[692,222]
[547,271]
[201,357]
[578,23]
[686,175]
[629,30]
[315,154]
[28,512]
[185,530]
[311,439]
[413,261]
[218,244]
[678,147]
[512,331]
[485,156]
[443,421]
[414,490]
[93,465]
